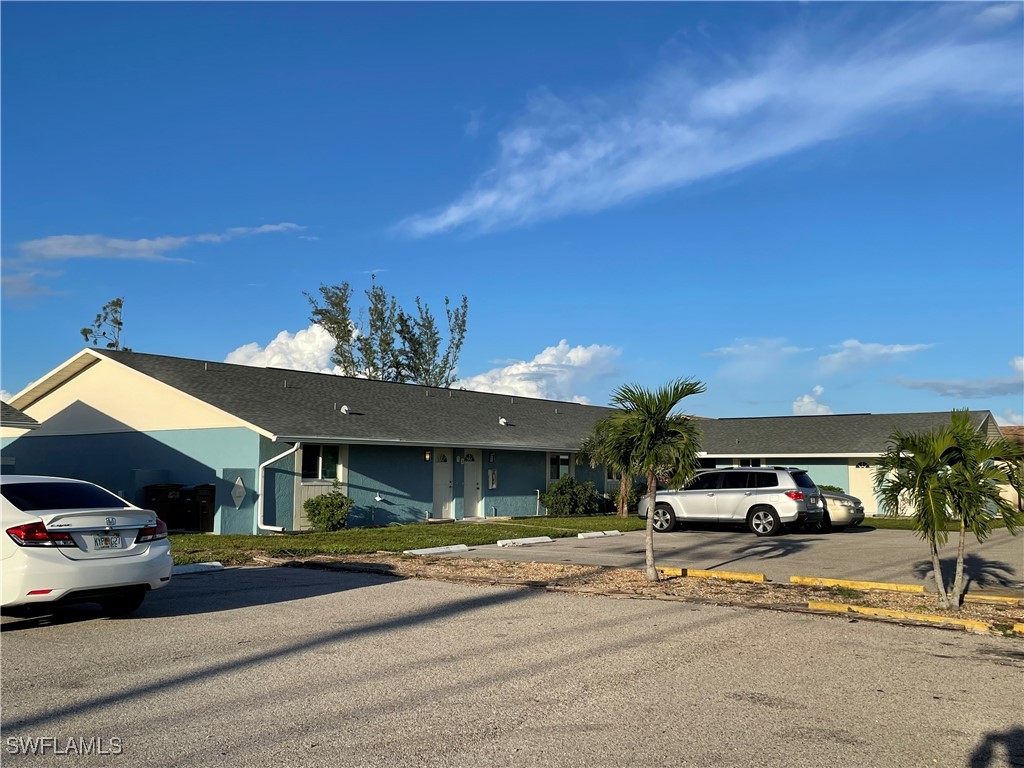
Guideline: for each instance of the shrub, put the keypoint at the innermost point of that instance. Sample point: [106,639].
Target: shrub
[567,498]
[328,512]
[833,488]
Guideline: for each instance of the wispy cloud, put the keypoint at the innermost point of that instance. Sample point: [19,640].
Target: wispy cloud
[856,354]
[23,275]
[557,373]
[64,247]
[969,389]
[751,359]
[711,114]
[809,405]
[1010,418]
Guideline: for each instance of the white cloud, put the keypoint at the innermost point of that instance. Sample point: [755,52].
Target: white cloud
[1010,418]
[808,405]
[557,373]
[999,14]
[992,386]
[856,354]
[674,128]
[5,395]
[750,358]
[306,350]
[62,247]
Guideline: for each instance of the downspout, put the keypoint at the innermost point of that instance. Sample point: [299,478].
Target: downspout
[259,489]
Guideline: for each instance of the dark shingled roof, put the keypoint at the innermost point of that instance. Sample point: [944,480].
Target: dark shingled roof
[12,417]
[301,405]
[849,434]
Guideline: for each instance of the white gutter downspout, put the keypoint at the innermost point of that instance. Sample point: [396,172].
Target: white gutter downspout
[259,490]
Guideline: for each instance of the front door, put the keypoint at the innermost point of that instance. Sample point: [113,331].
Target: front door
[471,478]
[442,483]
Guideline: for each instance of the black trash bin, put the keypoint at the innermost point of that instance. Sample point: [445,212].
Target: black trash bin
[199,502]
[166,500]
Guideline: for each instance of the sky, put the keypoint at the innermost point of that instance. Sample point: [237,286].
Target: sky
[813,208]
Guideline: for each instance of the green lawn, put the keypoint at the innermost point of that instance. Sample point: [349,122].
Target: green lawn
[235,550]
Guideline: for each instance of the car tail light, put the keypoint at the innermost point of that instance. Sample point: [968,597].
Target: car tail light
[36,535]
[795,495]
[152,532]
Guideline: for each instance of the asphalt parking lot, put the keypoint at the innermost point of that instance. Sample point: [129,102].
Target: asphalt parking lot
[255,667]
[862,553]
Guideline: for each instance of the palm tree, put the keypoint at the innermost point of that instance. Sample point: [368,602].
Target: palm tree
[605,447]
[658,440]
[951,475]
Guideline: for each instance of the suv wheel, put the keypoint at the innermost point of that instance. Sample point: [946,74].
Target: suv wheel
[764,521]
[664,518]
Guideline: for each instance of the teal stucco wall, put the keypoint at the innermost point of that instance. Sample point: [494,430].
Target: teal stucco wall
[126,462]
[520,474]
[399,475]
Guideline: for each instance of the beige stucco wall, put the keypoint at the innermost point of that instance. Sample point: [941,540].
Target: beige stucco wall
[108,397]
[862,484]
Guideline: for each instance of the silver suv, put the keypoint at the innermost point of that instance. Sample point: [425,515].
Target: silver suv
[764,498]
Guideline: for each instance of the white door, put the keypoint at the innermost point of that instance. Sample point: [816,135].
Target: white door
[442,483]
[471,477]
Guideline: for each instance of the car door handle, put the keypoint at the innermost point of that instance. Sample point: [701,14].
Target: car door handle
[711,494]
[748,493]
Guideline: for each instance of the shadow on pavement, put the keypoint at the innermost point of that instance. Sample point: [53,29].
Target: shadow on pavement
[978,571]
[1010,742]
[226,591]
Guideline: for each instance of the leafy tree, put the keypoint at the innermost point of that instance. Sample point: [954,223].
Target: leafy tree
[661,442]
[390,344]
[951,474]
[108,325]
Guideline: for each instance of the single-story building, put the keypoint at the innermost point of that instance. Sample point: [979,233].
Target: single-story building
[238,449]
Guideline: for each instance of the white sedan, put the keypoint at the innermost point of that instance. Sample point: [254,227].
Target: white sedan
[69,541]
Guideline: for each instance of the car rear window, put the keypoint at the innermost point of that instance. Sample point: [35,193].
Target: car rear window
[803,480]
[765,480]
[33,497]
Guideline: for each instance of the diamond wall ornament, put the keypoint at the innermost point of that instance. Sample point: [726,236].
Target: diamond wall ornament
[238,492]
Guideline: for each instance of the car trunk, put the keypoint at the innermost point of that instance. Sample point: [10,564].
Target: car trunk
[100,533]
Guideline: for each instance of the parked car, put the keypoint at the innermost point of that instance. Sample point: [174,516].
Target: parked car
[69,541]
[841,510]
[763,498]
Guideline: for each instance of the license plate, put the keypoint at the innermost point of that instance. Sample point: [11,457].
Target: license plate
[107,541]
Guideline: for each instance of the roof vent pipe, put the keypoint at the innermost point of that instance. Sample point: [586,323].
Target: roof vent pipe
[344,409]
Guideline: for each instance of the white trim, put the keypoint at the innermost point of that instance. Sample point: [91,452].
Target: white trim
[794,455]
[260,525]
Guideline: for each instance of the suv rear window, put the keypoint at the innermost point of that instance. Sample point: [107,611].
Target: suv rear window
[803,480]
[33,497]
[706,482]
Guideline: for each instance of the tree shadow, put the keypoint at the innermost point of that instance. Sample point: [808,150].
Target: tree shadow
[978,571]
[231,590]
[766,549]
[1010,742]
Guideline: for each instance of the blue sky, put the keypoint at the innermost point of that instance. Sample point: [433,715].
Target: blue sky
[812,208]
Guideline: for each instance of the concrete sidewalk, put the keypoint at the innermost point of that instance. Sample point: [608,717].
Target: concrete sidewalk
[995,566]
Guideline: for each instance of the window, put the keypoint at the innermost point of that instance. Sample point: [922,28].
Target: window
[559,465]
[735,480]
[32,497]
[705,482]
[750,462]
[765,480]
[320,462]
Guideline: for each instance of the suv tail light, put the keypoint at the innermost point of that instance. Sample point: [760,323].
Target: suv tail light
[152,532]
[36,535]
[795,495]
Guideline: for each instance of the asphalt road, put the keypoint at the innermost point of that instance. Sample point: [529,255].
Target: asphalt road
[862,553]
[282,667]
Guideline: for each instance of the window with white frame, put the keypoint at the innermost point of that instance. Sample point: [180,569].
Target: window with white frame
[320,462]
[559,464]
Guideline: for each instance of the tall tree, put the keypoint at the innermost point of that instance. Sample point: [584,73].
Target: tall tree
[661,441]
[389,344]
[108,325]
[956,476]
